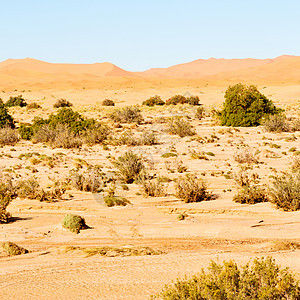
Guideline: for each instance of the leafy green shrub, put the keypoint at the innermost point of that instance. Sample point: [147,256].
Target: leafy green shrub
[112,200]
[155,100]
[262,279]
[128,114]
[62,103]
[74,223]
[5,118]
[129,166]
[180,126]
[13,249]
[25,131]
[16,101]
[191,189]
[245,106]
[177,99]
[8,136]
[108,102]
[285,192]
[33,105]
[276,123]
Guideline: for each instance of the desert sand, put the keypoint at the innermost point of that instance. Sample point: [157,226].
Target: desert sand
[219,229]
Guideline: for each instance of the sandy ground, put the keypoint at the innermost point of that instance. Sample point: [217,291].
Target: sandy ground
[219,229]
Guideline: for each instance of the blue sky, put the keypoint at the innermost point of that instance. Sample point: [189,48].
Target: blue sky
[137,35]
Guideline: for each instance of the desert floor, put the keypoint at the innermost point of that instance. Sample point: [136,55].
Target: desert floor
[220,229]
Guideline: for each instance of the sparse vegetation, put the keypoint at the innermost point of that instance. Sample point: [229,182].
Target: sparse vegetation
[152,188]
[180,126]
[260,279]
[130,166]
[245,155]
[191,189]
[8,136]
[62,103]
[128,114]
[285,192]
[155,100]
[276,123]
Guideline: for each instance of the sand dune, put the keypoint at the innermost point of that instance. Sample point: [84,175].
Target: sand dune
[31,73]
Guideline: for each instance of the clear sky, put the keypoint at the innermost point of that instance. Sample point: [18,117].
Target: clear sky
[137,35]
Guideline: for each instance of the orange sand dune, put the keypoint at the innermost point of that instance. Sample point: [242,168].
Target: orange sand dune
[35,74]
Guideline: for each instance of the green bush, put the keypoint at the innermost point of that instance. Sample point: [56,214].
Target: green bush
[128,114]
[245,106]
[285,192]
[155,100]
[13,249]
[62,103]
[5,118]
[108,102]
[261,279]
[74,223]
[112,200]
[16,101]
[129,166]
[25,131]
[191,189]
[180,126]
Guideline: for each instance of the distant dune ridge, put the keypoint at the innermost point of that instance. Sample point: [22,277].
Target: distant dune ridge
[32,72]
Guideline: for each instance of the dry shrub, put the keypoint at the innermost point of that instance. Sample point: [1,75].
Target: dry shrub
[112,200]
[74,223]
[96,135]
[29,188]
[7,193]
[108,102]
[59,137]
[285,192]
[126,138]
[251,195]
[191,189]
[149,138]
[245,155]
[180,126]
[200,112]
[13,249]
[129,166]
[284,245]
[152,188]
[155,100]
[295,165]
[33,105]
[62,103]
[90,180]
[259,279]
[128,114]
[276,123]
[8,136]
[295,125]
